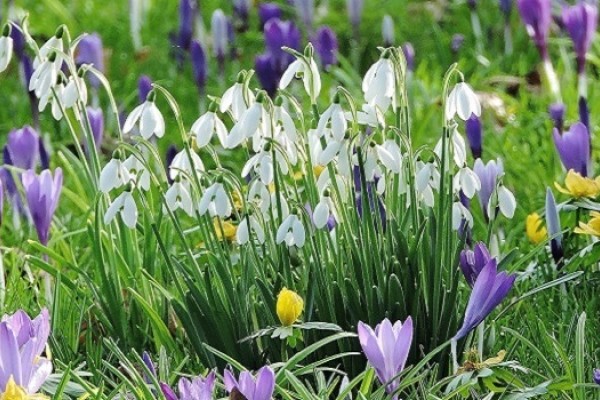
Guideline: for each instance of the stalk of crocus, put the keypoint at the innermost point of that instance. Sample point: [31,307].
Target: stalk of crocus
[476,26]
[326,46]
[573,147]
[305,10]
[42,193]
[474,135]
[136,12]
[90,51]
[386,348]
[259,388]
[557,114]
[266,11]
[506,8]
[554,231]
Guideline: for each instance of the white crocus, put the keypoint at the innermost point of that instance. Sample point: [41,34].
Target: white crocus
[178,196]
[208,125]
[467,181]
[138,173]
[460,213]
[246,126]
[151,121]
[308,71]
[125,205]
[506,202]
[390,156]
[113,175]
[215,201]
[234,99]
[379,84]
[334,116]
[247,225]
[185,165]
[6,50]
[462,101]
[291,231]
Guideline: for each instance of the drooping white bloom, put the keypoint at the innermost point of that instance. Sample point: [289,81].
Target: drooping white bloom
[463,101]
[54,98]
[113,175]
[138,173]
[390,156]
[75,89]
[457,148]
[234,99]
[427,179]
[322,211]
[247,225]
[506,202]
[370,115]
[259,196]
[185,166]
[178,196]
[467,181]
[460,213]
[208,125]
[291,231]
[44,77]
[379,84]
[283,118]
[54,46]
[308,71]
[151,121]
[246,126]
[125,205]
[333,115]
[6,50]
[215,201]
[262,164]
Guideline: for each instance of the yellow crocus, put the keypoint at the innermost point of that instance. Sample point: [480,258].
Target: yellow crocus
[535,229]
[16,392]
[579,186]
[289,306]
[228,232]
[592,227]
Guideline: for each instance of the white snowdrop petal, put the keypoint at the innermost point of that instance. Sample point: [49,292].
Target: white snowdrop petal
[321,214]
[290,73]
[129,212]
[506,202]
[242,234]
[298,232]
[132,118]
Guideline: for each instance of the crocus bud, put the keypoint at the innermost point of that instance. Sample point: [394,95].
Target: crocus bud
[488,176]
[597,376]
[387,31]
[537,17]
[278,34]
[23,147]
[267,76]
[474,135]
[150,365]
[306,11]
[90,52]
[457,42]
[409,54]
[199,64]
[584,112]
[505,7]
[42,193]
[219,29]
[326,45]
[553,224]
[187,15]
[355,9]
[18,41]
[144,87]
[96,118]
[289,306]
[473,261]
[557,114]
[573,147]
[580,21]
[266,11]
[241,9]
[472,4]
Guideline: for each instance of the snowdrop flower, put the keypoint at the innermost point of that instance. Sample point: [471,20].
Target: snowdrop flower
[462,101]
[53,47]
[291,231]
[304,67]
[44,77]
[247,125]
[369,115]
[215,201]
[283,118]
[6,48]
[186,165]
[113,175]
[379,83]
[323,210]
[334,116]
[237,98]
[259,196]
[151,121]
[138,173]
[75,89]
[506,202]
[262,164]
[178,196]
[427,179]
[467,181]
[390,155]
[208,125]
[124,205]
[249,223]
[460,213]
[458,148]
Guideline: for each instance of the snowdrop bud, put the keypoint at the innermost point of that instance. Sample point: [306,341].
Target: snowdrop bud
[462,101]
[387,31]
[6,48]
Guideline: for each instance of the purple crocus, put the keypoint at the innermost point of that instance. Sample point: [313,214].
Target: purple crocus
[150,365]
[554,231]
[22,342]
[505,7]
[23,148]
[266,11]
[305,10]
[557,114]
[597,376]
[388,31]
[1,201]
[266,74]
[580,22]
[355,9]
[219,27]
[387,348]
[488,176]
[474,135]
[144,87]
[199,388]
[187,15]
[42,193]
[90,51]
[537,17]
[96,118]
[573,147]
[457,42]
[259,388]
[473,261]
[409,54]
[277,34]
[199,65]
[584,113]
[489,290]
[241,9]
[326,46]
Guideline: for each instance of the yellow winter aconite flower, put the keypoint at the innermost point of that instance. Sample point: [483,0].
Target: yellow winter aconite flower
[289,306]
[535,229]
[228,232]
[592,227]
[15,392]
[578,186]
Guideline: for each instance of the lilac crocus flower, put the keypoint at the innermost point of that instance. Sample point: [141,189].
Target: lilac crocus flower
[488,176]
[144,87]
[489,290]
[259,388]
[278,34]
[355,9]
[219,27]
[387,348]
[388,31]
[474,135]
[188,9]
[42,193]
[457,42]
[96,118]
[537,17]
[326,46]
[266,11]
[199,388]
[584,113]
[23,148]
[597,376]
[23,341]
[199,65]
[581,21]
[305,10]
[266,74]
[409,54]
[557,114]
[150,365]
[573,147]
[473,261]
[90,51]
[553,224]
